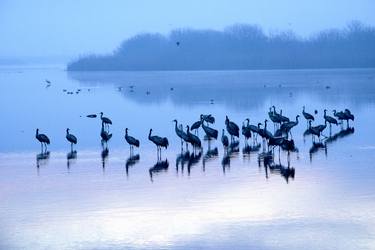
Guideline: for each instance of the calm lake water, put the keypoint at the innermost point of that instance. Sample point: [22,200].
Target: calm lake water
[207,201]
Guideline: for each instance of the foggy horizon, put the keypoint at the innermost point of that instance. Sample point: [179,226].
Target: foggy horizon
[216,124]
[44,31]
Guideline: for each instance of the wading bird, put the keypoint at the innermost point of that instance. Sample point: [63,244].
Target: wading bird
[131,141]
[283,118]
[208,118]
[210,132]
[232,129]
[71,138]
[348,116]
[180,133]
[105,135]
[43,139]
[196,126]
[317,130]
[246,132]
[254,129]
[307,116]
[224,139]
[160,142]
[340,115]
[105,120]
[193,139]
[287,126]
[330,120]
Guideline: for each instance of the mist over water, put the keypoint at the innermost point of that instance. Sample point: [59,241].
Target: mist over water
[107,199]
[81,80]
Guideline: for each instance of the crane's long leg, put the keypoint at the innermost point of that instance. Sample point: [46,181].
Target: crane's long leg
[330,129]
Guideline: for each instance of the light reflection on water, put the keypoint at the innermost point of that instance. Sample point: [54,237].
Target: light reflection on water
[208,201]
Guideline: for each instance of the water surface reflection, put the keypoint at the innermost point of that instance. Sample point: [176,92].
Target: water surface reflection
[323,193]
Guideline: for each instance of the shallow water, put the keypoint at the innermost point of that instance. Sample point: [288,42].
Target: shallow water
[108,203]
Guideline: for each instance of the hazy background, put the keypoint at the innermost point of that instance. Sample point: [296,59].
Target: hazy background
[57,31]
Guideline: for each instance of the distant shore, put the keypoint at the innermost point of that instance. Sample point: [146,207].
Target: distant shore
[239,47]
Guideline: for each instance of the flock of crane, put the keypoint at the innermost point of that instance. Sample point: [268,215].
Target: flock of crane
[280,138]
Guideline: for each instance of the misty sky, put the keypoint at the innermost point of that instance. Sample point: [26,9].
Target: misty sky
[71,28]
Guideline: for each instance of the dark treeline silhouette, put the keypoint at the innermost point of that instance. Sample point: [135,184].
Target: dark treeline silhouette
[238,47]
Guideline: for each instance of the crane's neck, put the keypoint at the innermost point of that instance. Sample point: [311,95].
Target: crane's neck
[37,132]
[149,134]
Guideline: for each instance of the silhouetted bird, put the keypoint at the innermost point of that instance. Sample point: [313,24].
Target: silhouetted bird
[254,129]
[288,145]
[307,116]
[48,83]
[105,120]
[317,130]
[348,116]
[210,132]
[196,125]
[275,118]
[158,141]
[246,132]
[193,139]
[340,115]
[71,138]
[208,118]
[91,116]
[232,128]
[287,126]
[43,139]
[224,139]
[178,43]
[131,140]
[283,118]
[329,119]
[275,141]
[264,132]
[180,133]
[105,135]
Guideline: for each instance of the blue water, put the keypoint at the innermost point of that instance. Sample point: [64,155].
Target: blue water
[95,202]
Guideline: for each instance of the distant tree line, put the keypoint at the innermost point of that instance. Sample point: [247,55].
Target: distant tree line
[238,47]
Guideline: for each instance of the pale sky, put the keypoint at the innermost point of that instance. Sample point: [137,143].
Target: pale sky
[69,28]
